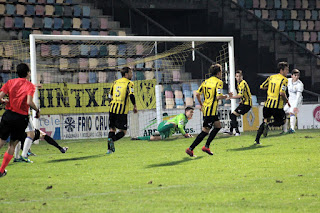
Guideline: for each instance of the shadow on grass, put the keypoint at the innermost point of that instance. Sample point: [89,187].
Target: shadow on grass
[249,148]
[74,159]
[173,163]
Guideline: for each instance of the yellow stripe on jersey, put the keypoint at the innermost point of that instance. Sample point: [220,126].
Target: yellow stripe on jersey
[275,84]
[120,92]
[210,88]
[244,91]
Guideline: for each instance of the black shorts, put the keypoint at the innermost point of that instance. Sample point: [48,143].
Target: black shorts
[208,121]
[278,114]
[118,121]
[14,125]
[242,109]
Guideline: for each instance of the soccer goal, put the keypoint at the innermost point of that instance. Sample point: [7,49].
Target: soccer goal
[76,73]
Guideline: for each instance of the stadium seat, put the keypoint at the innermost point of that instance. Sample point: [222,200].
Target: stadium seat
[67,23]
[279,14]
[175,87]
[149,75]
[286,14]
[310,25]
[103,23]
[85,23]
[314,15]
[77,11]
[149,64]
[122,48]
[21,9]
[112,62]
[316,48]
[67,11]
[307,14]
[284,3]
[47,79]
[94,23]
[94,50]
[65,49]
[57,23]
[2,9]
[139,49]
[44,50]
[18,22]
[194,86]
[8,22]
[25,34]
[28,22]
[305,4]
[121,62]
[7,65]
[55,50]
[159,76]
[84,63]
[49,10]
[63,63]
[169,103]
[139,75]
[86,11]
[303,25]
[76,23]
[30,10]
[93,63]
[92,77]
[103,50]
[298,4]
[255,4]
[289,25]
[102,77]
[176,75]
[58,11]
[263,4]
[39,10]
[83,77]
[139,65]
[48,23]
[258,13]
[296,25]
[103,33]
[66,32]
[294,14]
[10,9]
[309,46]
[130,62]
[306,36]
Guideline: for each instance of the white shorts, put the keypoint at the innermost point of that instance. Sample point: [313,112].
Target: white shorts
[288,109]
[30,126]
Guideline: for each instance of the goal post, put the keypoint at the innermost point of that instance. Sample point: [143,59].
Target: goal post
[161,55]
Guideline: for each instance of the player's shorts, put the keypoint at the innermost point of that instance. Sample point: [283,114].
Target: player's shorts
[164,129]
[30,126]
[208,121]
[13,124]
[288,109]
[119,121]
[278,114]
[242,109]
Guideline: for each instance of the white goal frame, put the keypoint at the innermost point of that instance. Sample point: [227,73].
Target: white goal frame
[229,40]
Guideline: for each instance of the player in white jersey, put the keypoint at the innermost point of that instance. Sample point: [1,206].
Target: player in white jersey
[295,89]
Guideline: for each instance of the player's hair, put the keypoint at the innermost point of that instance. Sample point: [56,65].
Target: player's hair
[125,70]
[240,72]
[215,69]
[22,70]
[295,71]
[282,65]
[188,108]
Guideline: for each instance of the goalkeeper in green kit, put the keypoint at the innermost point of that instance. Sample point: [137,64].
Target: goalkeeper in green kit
[167,128]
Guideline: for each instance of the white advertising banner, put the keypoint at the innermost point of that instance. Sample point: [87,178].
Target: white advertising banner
[51,124]
[309,116]
[84,126]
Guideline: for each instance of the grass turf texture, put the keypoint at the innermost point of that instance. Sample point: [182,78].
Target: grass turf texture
[281,175]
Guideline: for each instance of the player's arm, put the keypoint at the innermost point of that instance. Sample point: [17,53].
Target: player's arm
[110,94]
[33,105]
[283,94]
[265,84]
[132,97]
[299,95]
[2,99]
[198,94]
[181,126]
[220,95]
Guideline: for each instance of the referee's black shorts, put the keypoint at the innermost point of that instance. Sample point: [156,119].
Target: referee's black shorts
[118,121]
[242,109]
[14,125]
[278,114]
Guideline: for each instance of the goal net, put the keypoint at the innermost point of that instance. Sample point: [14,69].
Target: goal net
[76,73]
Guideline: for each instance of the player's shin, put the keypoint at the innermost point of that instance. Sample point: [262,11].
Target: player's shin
[212,135]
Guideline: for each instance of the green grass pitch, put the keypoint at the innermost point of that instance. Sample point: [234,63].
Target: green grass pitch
[281,175]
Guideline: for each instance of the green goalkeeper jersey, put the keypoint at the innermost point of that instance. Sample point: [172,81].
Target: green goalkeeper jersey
[180,121]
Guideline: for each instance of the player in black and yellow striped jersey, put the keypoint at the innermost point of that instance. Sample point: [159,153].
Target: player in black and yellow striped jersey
[212,92]
[245,103]
[276,99]
[120,93]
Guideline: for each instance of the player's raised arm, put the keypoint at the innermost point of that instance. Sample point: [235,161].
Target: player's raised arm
[265,84]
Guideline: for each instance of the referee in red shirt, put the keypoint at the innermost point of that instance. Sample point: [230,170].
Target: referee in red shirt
[15,119]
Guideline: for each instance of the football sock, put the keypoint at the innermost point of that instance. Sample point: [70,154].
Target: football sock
[6,159]
[52,142]
[110,135]
[198,139]
[27,144]
[212,134]
[17,150]
[144,138]
[118,136]
[292,121]
[260,131]
[285,127]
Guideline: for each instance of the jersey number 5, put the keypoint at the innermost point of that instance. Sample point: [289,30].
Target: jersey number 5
[118,93]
